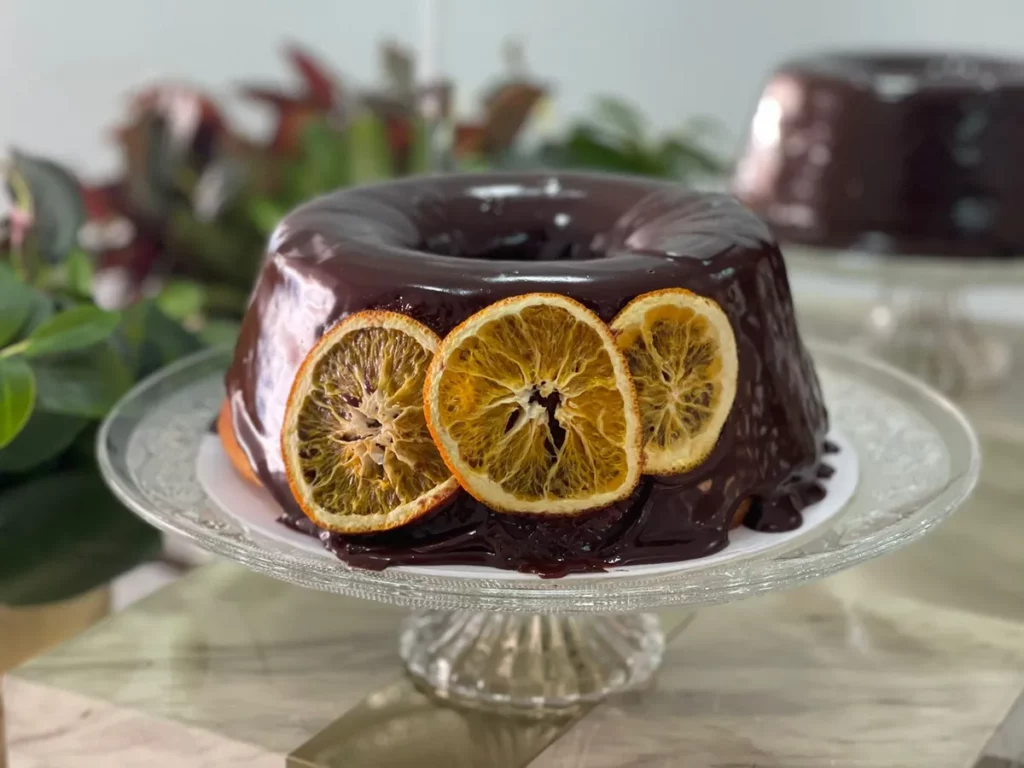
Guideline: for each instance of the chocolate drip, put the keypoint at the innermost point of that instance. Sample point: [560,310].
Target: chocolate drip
[440,249]
[782,512]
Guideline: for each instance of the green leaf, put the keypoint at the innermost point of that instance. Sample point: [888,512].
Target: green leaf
[16,302]
[369,150]
[84,383]
[479,163]
[419,152]
[229,254]
[219,333]
[77,328]
[45,436]
[64,534]
[42,309]
[154,340]
[685,157]
[181,299]
[265,214]
[585,149]
[83,448]
[58,209]
[17,397]
[325,161]
[223,299]
[79,271]
[621,118]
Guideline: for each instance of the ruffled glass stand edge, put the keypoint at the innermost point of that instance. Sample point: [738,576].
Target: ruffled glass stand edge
[494,642]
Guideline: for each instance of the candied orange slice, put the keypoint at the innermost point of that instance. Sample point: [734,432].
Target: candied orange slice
[226,432]
[682,353]
[356,448]
[533,408]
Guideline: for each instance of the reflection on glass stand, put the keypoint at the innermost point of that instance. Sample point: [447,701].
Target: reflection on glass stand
[920,322]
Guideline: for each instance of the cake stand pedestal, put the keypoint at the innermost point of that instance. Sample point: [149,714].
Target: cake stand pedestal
[920,323]
[496,640]
[530,660]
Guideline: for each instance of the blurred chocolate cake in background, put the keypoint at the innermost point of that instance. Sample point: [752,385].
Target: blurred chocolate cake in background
[892,153]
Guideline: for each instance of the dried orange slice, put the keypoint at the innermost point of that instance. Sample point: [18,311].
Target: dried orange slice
[226,432]
[533,408]
[682,353]
[356,448]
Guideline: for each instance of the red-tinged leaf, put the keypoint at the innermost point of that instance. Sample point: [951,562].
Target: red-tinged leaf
[101,202]
[469,138]
[291,125]
[507,113]
[269,95]
[168,98]
[321,87]
[399,131]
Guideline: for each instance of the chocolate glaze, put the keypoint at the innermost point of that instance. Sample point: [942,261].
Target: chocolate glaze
[891,153]
[439,249]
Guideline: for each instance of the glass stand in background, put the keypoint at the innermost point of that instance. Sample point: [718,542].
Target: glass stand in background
[919,321]
[929,333]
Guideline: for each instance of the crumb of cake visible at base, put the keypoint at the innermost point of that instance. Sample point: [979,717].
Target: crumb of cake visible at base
[226,433]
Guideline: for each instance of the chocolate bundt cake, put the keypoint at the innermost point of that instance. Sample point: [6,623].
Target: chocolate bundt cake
[439,250]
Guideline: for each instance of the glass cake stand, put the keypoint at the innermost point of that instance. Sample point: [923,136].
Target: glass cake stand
[919,322]
[492,641]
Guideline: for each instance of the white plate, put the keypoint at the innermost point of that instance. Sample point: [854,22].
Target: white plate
[256,511]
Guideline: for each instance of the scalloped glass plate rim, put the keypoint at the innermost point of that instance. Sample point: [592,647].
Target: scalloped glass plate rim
[748,577]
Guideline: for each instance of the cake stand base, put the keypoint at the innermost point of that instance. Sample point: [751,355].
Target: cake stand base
[530,661]
[929,334]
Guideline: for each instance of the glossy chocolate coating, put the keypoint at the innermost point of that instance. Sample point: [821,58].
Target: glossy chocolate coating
[910,154]
[440,249]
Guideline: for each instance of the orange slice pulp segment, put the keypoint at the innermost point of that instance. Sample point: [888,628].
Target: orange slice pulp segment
[533,409]
[681,351]
[356,448]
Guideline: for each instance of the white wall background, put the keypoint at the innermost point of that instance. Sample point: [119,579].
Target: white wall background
[67,64]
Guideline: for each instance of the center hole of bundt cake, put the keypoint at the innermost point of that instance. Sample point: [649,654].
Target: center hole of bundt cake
[540,244]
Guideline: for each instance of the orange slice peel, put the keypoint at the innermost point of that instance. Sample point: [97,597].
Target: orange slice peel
[533,409]
[356,448]
[681,352]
